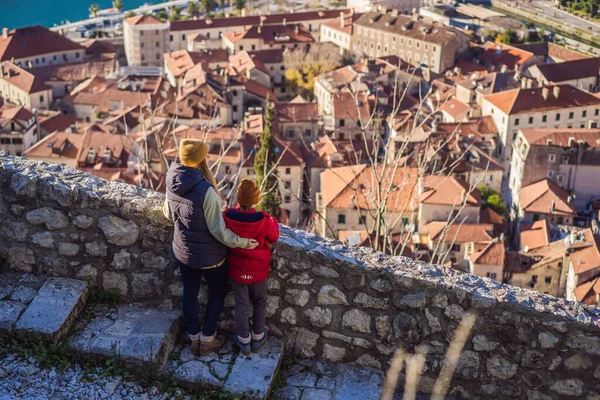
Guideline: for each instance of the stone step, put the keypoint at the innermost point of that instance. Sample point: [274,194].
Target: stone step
[16,292]
[137,336]
[251,377]
[52,310]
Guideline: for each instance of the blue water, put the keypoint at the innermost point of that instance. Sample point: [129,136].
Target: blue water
[19,13]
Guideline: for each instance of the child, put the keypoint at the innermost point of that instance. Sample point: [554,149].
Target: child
[249,269]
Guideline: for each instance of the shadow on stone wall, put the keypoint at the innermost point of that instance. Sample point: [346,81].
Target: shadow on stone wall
[330,301]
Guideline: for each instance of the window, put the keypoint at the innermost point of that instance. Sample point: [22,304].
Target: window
[208,35]
[455,247]
[584,113]
[544,118]
[55,57]
[551,157]
[183,37]
[531,120]
[308,133]
[288,171]
[491,275]
[282,68]
[142,45]
[560,178]
[157,44]
[287,199]
[37,60]
[560,221]
[250,171]
[171,38]
[342,122]
[235,108]
[156,32]
[158,56]
[253,47]
[341,218]
[362,220]
[43,60]
[228,169]
[516,121]
[557,116]
[571,115]
[235,93]
[597,111]
[404,221]
[287,184]
[536,217]
[550,173]
[142,33]
[514,136]
[41,98]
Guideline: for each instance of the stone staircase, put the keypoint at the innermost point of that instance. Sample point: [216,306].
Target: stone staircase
[144,337]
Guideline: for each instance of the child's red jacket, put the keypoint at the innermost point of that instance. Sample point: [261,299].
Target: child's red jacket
[251,266]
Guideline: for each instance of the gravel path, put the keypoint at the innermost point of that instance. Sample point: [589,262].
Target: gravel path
[21,379]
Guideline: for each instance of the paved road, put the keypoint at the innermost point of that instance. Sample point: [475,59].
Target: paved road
[547,8]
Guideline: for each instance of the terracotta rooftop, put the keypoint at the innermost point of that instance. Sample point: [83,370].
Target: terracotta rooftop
[344,22]
[98,47]
[56,146]
[586,256]
[268,56]
[352,187]
[181,61]
[273,34]
[519,101]
[351,106]
[13,113]
[297,112]
[144,19]
[588,292]
[460,233]
[255,20]
[536,235]
[555,51]
[570,70]
[455,107]
[75,72]
[447,190]
[21,78]
[33,41]
[492,254]
[562,137]
[501,54]
[244,62]
[546,197]
[489,83]
[56,122]
[404,25]
[259,90]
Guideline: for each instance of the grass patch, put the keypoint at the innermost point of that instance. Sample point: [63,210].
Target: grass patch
[110,297]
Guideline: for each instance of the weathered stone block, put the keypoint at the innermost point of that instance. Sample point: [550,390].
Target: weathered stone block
[590,344]
[68,249]
[114,280]
[87,273]
[325,272]
[319,317]
[416,300]
[272,305]
[51,218]
[468,364]
[500,368]
[21,258]
[333,353]
[367,360]
[568,387]
[288,316]
[547,340]
[145,285]
[118,231]
[14,230]
[330,295]
[305,341]
[43,239]
[358,321]
[370,302]
[83,221]
[301,279]
[297,297]
[96,249]
[23,294]
[54,308]
[578,361]
[533,359]
[360,384]
[122,260]
[150,260]
[10,311]
[381,285]
[382,326]
[481,343]
[24,184]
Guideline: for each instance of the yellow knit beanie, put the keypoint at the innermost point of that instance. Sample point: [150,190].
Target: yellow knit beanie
[192,152]
[248,193]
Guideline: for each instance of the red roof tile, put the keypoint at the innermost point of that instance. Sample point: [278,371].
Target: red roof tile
[32,41]
[546,197]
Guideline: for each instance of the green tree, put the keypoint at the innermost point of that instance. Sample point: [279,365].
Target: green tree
[193,9]
[239,4]
[175,14]
[129,14]
[118,4]
[162,15]
[265,166]
[492,200]
[208,6]
[94,10]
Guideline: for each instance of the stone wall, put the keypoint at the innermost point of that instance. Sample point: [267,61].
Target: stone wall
[327,300]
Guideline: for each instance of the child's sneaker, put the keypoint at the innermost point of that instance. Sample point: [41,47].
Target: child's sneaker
[245,348]
[258,344]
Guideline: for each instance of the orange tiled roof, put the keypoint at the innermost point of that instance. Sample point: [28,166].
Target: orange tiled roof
[57,146]
[273,34]
[518,101]
[76,72]
[541,197]
[492,254]
[455,107]
[460,233]
[447,190]
[561,137]
[353,186]
[13,113]
[21,78]
[344,22]
[32,41]
[296,112]
[586,256]
[144,19]
[535,236]
[587,292]
[502,54]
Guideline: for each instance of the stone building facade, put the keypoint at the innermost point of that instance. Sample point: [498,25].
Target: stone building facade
[328,301]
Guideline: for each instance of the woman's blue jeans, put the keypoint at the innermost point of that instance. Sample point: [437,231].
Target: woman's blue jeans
[217,282]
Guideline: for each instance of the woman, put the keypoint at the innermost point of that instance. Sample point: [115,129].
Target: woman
[200,241]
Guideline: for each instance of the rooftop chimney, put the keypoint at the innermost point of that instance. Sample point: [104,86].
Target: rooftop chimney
[284,21]
[5,33]
[545,92]
[556,91]
[342,19]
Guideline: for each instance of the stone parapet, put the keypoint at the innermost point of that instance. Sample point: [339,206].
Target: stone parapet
[327,300]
